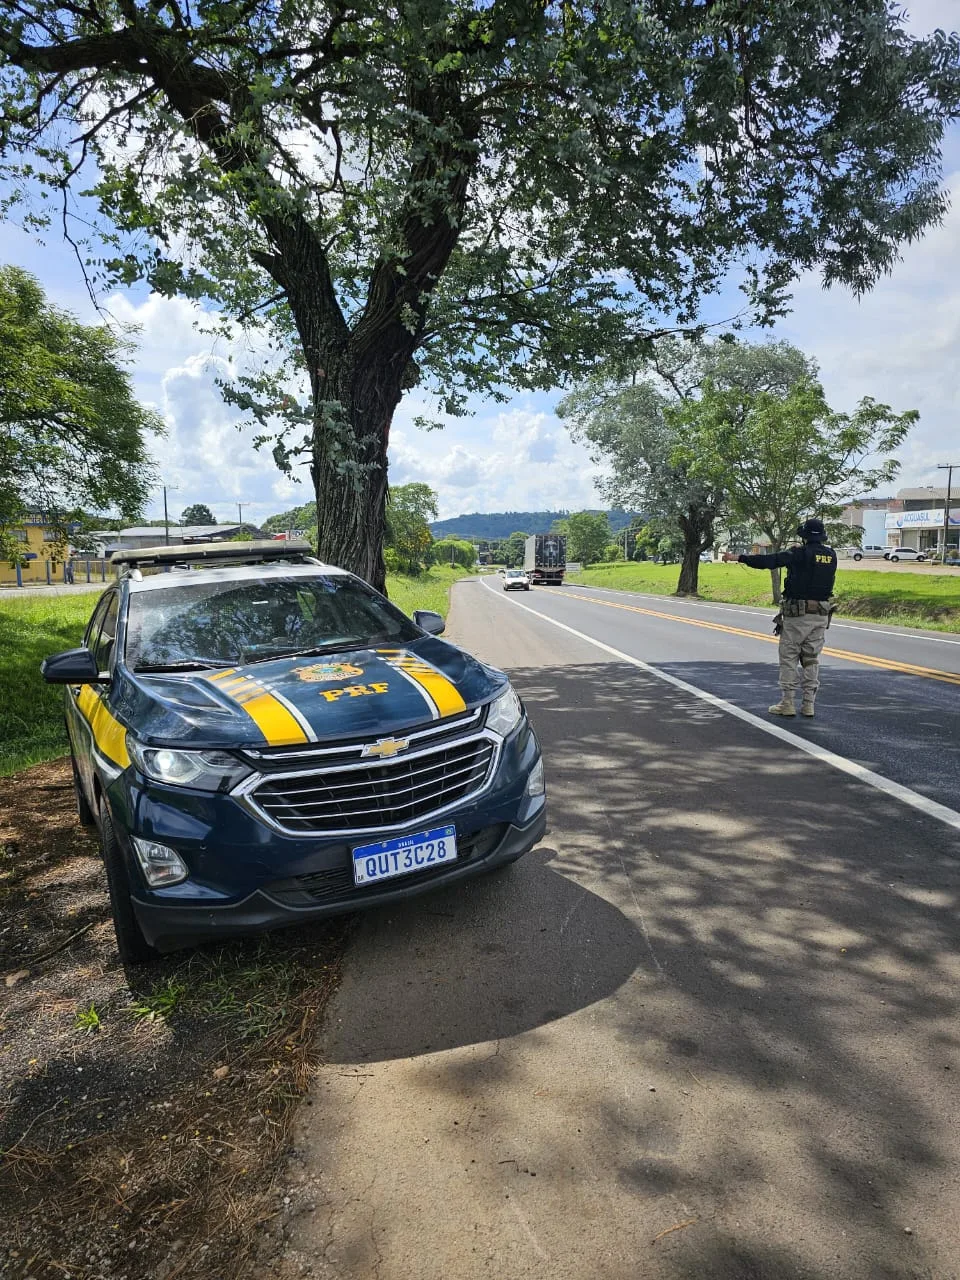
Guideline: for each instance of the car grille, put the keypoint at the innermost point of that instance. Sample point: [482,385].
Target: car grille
[335,884]
[387,793]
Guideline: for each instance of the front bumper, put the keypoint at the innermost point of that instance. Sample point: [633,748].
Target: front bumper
[247,876]
[288,902]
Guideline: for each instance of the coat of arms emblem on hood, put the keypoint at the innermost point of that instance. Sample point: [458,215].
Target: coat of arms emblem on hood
[324,672]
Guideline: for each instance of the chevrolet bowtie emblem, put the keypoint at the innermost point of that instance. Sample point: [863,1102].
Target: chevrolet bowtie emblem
[385,748]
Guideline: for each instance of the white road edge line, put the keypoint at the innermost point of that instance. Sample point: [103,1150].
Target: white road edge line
[868,628]
[895,789]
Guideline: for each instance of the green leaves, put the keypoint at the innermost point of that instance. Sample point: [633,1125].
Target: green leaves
[503,193]
[72,435]
[409,508]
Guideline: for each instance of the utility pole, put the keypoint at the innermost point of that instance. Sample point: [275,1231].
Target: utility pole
[949,468]
[240,514]
[166,519]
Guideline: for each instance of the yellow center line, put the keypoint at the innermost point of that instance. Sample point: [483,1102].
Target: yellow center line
[886,664]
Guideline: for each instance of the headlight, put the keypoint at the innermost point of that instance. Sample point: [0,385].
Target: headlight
[504,714]
[200,770]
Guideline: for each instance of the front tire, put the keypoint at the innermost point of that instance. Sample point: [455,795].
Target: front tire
[131,944]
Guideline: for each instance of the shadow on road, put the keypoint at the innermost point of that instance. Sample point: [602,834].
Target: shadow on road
[556,948]
[792,940]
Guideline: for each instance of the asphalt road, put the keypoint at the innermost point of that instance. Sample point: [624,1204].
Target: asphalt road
[889,699]
[707,1029]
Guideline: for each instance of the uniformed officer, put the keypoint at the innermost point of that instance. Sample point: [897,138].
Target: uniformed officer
[811,569]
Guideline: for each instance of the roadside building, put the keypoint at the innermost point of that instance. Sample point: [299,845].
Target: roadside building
[139,536]
[44,556]
[40,542]
[915,519]
[868,515]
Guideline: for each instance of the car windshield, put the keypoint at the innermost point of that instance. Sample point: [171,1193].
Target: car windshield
[200,624]
[516,573]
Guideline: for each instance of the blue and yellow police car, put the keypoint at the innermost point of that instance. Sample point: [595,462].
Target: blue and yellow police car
[263,739]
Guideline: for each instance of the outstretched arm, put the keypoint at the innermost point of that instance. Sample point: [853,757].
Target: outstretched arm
[775,560]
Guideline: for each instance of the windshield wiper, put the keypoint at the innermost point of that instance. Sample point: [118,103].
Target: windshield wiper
[336,646]
[188,664]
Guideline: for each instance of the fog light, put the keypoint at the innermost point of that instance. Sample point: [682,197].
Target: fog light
[161,865]
[535,785]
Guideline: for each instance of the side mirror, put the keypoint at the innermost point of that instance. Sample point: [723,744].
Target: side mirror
[428,621]
[75,666]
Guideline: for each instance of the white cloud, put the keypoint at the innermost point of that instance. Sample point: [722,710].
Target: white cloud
[518,459]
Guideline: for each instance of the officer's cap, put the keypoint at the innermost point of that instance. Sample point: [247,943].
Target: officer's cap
[812,528]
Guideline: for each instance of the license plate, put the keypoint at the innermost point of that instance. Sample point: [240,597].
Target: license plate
[405,854]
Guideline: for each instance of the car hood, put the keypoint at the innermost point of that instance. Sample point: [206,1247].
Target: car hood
[333,698]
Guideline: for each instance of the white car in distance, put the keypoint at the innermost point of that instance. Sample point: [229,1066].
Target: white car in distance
[870,553]
[905,553]
[516,580]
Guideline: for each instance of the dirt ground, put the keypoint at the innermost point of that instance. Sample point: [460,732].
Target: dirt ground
[143,1116]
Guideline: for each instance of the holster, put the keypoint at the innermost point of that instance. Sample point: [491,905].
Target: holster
[778,625]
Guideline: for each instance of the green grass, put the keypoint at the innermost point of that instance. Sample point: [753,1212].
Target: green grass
[930,601]
[87,1020]
[430,590]
[31,712]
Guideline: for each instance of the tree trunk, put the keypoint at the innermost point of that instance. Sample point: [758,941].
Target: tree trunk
[352,416]
[775,585]
[689,570]
[697,529]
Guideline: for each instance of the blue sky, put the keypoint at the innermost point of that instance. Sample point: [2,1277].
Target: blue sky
[900,344]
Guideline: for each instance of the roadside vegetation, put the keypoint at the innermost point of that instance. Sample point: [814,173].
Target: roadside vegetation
[930,601]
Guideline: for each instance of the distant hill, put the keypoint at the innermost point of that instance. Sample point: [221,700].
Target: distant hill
[493,525]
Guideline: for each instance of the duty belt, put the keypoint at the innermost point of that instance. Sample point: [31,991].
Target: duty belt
[797,608]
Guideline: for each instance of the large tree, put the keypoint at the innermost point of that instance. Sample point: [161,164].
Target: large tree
[588,533]
[631,416]
[73,437]
[471,192]
[780,457]
[408,537]
[197,513]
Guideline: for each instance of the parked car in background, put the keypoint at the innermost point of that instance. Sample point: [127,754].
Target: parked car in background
[870,553]
[904,553]
[516,580]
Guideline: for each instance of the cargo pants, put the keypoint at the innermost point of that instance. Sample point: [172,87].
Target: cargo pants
[801,641]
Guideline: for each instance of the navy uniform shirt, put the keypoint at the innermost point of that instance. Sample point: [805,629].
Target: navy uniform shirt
[811,570]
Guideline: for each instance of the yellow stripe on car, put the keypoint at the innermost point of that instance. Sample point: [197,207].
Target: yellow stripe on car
[442,693]
[108,733]
[279,726]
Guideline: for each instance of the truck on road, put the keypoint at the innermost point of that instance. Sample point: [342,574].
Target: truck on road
[545,558]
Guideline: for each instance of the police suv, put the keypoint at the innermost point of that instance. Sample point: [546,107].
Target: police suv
[263,739]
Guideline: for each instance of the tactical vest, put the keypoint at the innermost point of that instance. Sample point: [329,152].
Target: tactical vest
[811,575]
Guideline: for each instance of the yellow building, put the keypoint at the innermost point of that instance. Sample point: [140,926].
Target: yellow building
[41,547]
